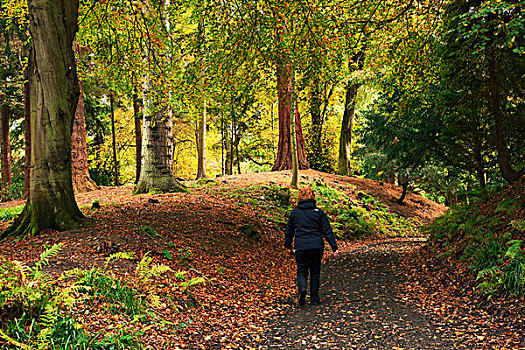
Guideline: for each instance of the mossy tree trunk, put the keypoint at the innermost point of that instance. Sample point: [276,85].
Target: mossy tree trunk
[54,95]
[156,172]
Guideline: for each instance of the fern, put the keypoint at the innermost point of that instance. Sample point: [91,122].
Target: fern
[514,250]
[192,282]
[118,256]
[145,272]
[46,255]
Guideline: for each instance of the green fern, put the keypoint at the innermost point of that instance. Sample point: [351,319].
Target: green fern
[46,255]
[145,273]
[118,256]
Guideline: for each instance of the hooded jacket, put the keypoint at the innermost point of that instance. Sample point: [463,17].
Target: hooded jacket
[308,224]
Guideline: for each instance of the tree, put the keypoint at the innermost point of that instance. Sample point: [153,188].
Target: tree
[82,182]
[283,159]
[347,123]
[405,133]
[485,39]
[13,47]
[54,94]
[157,146]
[5,148]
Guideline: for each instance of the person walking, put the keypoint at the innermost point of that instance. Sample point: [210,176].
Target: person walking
[306,227]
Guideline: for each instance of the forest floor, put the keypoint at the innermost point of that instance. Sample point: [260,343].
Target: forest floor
[379,293]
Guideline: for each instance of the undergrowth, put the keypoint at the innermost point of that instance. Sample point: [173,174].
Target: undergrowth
[349,218]
[360,218]
[35,307]
[492,246]
[8,214]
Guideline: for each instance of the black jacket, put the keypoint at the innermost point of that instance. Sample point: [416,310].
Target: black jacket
[308,225]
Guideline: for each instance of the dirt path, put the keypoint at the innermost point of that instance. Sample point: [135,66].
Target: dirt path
[362,308]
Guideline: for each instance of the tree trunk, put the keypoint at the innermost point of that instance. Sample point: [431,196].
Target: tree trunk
[228,164]
[54,94]
[201,133]
[345,140]
[283,159]
[157,154]
[405,182]
[5,146]
[505,167]
[138,133]
[293,138]
[79,160]
[315,152]
[222,146]
[27,131]
[452,197]
[114,141]
[156,172]
[201,142]
[347,125]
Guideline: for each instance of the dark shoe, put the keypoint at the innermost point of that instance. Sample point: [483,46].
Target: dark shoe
[315,302]
[302,297]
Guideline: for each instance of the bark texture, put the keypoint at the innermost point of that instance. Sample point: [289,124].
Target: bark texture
[114,142]
[201,146]
[156,171]
[5,147]
[347,124]
[27,131]
[283,159]
[82,182]
[138,133]
[54,94]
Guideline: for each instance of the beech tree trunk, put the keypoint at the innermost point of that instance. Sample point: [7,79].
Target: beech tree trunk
[505,167]
[283,159]
[5,147]
[27,131]
[82,182]
[54,94]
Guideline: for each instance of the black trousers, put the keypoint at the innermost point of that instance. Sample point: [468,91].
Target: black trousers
[309,261]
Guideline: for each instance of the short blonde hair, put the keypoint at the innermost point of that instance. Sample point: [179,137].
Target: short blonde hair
[306,193]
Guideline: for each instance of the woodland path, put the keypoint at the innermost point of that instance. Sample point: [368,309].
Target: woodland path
[362,308]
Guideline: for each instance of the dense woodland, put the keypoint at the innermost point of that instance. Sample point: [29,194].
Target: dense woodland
[426,97]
